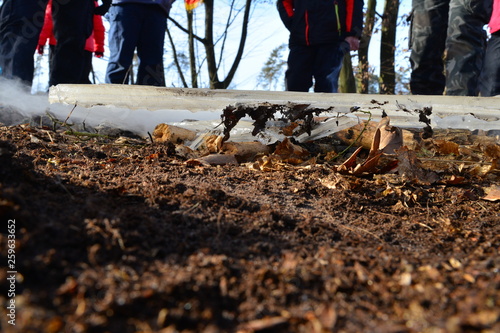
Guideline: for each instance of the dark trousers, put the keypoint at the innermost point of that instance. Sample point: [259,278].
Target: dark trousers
[73,24]
[20,25]
[87,67]
[136,26]
[489,82]
[453,30]
[319,62]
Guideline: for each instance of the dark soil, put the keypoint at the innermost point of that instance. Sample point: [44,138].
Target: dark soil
[124,236]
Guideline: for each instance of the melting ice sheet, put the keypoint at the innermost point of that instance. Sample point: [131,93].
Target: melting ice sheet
[139,109]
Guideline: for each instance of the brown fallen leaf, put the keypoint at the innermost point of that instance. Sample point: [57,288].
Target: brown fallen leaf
[289,151]
[372,161]
[391,137]
[369,165]
[492,151]
[455,180]
[492,193]
[213,143]
[288,131]
[410,167]
[446,147]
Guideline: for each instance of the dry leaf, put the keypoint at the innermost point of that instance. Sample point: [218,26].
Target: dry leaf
[287,150]
[492,193]
[455,180]
[391,137]
[446,147]
[288,131]
[492,151]
[213,143]
[410,167]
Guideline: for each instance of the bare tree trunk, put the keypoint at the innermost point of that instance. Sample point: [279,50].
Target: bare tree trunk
[387,47]
[208,41]
[347,83]
[176,59]
[365,44]
[192,54]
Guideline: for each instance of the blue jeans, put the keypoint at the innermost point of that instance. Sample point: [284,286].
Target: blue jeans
[20,25]
[321,62]
[142,27]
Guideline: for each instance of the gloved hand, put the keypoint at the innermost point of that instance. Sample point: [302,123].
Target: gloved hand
[39,49]
[99,54]
[103,9]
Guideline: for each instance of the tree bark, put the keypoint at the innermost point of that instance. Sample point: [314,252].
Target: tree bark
[192,53]
[347,83]
[364,45]
[387,47]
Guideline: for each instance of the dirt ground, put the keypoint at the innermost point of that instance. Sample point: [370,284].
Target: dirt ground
[122,235]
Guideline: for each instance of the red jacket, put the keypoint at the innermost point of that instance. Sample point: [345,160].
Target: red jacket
[313,22]
[95,43]
[495,17]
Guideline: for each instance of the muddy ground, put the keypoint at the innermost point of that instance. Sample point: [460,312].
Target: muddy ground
[124,236]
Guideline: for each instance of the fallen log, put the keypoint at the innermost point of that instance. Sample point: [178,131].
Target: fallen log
[174,134]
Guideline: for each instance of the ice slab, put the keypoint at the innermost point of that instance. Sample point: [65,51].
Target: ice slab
[140,108]
[447,111]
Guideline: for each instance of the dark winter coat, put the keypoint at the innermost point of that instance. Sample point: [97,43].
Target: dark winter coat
[312,22]
[164,4]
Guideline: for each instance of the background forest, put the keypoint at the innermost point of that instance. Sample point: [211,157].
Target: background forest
[242,44]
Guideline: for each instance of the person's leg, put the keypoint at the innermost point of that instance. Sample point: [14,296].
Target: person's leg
[298,76]
[150,47]
[20,25]
[465,45]
[73,24]
[489,81]
[123,37]
[87,67]
[427,43]
[327,65]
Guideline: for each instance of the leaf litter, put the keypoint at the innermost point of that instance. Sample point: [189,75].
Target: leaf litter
[374,228]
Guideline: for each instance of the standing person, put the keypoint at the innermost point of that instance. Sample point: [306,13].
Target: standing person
[321,32]
[490,78]
[451,30]
[137,24]
[20,25]
[73,24]
[94,44]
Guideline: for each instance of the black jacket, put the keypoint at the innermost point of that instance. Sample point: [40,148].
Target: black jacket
[312,22]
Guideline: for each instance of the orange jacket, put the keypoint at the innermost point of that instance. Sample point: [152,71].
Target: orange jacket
[95,43]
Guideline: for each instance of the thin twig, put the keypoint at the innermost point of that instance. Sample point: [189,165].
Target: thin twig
[69,115]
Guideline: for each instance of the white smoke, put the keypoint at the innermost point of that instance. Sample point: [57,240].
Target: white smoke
[19,106]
